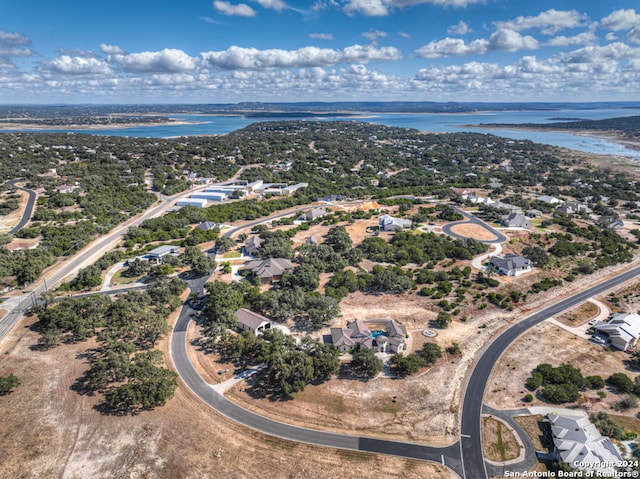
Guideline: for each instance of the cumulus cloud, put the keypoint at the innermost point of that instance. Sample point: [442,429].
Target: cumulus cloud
[322,36]
[549,22]
[229,9]
[168,60]
[452,47]
[621,20]
[277,5]
[111,49]
[501,40]
[584,38]
[67,65]
[13,44]
[460,29]
[374,36]
[252,59]
[371,8]
[511,41]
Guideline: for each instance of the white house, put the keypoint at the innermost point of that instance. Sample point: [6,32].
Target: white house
[623,330]
[578,443]
[510,264]
[389,223]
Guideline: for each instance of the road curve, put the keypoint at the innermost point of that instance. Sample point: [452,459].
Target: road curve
[449,455]
[471,219]
[474,394]
[28,211]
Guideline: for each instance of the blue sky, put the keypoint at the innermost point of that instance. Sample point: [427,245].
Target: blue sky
[228,51]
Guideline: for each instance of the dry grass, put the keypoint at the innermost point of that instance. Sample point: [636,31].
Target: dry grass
[474,231]
[534,427]
[498,441]
[579,315]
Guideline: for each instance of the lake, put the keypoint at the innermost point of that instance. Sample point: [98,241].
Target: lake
[430,122]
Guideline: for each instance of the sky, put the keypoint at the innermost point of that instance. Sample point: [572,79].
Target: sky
[230,51]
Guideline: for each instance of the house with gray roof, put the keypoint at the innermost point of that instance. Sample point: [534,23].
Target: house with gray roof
[268,270]
[313,213]
[578,443]
[510,264]
[389,339]
[252,245]
[389,223]
[515,220]
[250,321]
[622,330]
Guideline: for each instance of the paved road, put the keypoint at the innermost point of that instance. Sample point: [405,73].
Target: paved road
[210,396]
[28,211]
[448,228]
[472,405]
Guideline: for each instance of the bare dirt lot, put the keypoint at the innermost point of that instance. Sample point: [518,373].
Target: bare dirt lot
[474,231]
[48,430]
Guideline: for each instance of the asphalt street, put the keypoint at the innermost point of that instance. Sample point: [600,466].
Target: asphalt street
[28,211]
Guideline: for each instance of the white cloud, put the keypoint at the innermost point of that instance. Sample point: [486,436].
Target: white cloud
[511,41]
[460,29]
[277,5]
[322,36]
[168,60]
[13,44]
[240,10]
[634,35]
[621,20]
[404,35]
[444,3]
[549,22]
[111,49]
[253,59]
[584,38]
[374,36]
[67,65]
[371,8]
[452,47]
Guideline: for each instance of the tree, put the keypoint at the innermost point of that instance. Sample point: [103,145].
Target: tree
[8,383]
[224,243]
[338,238]
[137,267]
[364,362]
[537,255]
[621,382]
[320,309]
[443,320]
[405,365]
[430,352]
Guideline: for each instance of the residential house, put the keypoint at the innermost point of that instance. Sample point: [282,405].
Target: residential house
[623,330]
[550,200]
[156,255]
[610,222]
[477,200]
[534,213]
[510,264]
[389,223]
[573,207]
[515,220]
[268,270]
[209,225]
[578,443]
[252,245]
[390,338]
[313,213]
[250,321]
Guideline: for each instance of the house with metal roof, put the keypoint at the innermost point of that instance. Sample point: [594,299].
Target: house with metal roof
[515,220]
[389,223]
[623,330]
[578,443]
[510,264]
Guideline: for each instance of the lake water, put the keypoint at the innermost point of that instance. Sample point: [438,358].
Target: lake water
[430,122]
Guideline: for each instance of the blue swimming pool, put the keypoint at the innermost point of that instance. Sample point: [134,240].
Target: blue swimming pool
[374,334]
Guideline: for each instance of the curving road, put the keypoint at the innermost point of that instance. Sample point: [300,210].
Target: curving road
[449,455]
[28,211]
[471,219]
[464,457]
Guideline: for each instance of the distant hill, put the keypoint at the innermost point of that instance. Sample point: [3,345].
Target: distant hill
[629,125]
